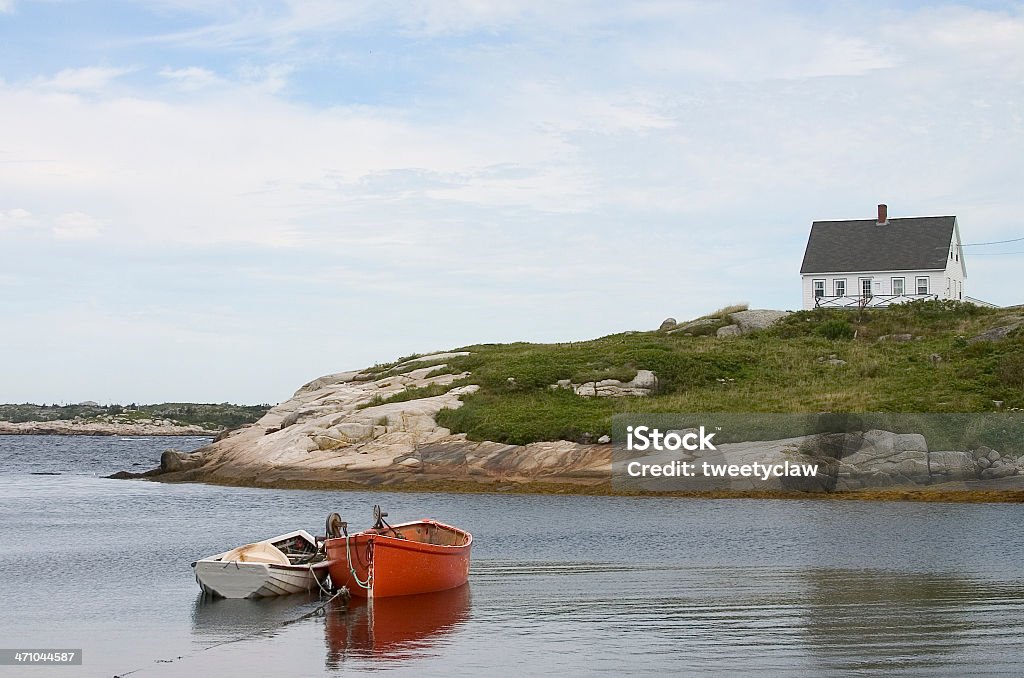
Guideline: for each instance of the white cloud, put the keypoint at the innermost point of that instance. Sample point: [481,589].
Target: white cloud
[6,6]
[90,78]
[76,226]
[192,78]
[15,218]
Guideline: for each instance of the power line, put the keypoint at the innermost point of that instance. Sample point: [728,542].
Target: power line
[994,242]
[994,254]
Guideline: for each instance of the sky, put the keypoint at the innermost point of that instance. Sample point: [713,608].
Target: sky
[219,201]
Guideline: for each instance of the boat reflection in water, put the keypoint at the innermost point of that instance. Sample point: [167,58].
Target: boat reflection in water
[216,620]
[399,627]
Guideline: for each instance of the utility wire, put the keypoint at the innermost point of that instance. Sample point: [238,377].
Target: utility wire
[994,254]
[994,242]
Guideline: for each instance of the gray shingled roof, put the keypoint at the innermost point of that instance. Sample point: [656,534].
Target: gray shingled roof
[916,243]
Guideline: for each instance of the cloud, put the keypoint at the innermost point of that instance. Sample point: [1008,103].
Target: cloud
[76,226]
[192,77]
[90,78]
[16,218]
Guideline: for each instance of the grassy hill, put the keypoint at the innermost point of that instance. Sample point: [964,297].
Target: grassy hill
[785,368]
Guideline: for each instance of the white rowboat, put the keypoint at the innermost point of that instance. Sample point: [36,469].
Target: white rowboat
[288,563]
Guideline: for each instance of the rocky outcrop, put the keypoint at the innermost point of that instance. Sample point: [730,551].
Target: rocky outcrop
[667,324]
[845,461]
[341,429]
[745,322]
[62,427]
[756,319]
[1010,324]
[641,385]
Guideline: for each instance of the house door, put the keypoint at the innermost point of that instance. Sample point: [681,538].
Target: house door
[865,287]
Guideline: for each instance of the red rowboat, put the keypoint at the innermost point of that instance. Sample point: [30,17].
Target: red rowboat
[398,560]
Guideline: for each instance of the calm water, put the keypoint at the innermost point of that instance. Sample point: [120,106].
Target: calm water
[560,585]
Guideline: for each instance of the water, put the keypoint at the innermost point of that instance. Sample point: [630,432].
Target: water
[560,585]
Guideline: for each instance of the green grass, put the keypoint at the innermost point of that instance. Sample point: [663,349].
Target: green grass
[775,370]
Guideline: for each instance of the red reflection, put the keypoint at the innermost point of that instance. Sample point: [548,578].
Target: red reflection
[394,628]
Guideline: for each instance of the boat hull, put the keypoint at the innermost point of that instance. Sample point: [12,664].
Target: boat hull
[262,570]
[257,580]
[394,566]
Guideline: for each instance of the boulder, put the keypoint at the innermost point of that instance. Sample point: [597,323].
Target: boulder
[729,331]
[644,379]
[756,319]
[172,461]
[983,453]
[667,324]
[898,456]
[998,472]
[951,465]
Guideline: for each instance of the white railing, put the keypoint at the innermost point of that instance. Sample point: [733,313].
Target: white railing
[869,301]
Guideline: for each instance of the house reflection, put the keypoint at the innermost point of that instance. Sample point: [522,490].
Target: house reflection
[393,628]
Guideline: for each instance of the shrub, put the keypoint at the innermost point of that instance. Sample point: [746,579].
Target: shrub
[1011,370]
[836,330]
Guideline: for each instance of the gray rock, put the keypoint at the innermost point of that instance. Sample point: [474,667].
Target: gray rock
[984,462]
[951,465]
[757,319]
[980,452]
[998,472]
[604,440]
[835,361]
[729,331]
[644,379]
[899,455]
[997,333]
[993,455]
[667,324]
[172,461]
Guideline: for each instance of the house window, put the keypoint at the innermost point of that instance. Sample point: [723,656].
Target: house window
[865,287]
[819,289]
[899,286]
[922,285]
[840,287]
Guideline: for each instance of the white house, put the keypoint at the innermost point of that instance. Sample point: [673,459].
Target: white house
[877,262]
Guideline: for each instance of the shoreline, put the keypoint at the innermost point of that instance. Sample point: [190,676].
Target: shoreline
[935,494]
[71,428]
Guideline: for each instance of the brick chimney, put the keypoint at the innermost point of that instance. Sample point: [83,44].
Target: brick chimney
[883,214]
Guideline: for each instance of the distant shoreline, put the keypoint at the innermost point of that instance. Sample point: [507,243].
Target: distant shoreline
[958,493]
[73,428]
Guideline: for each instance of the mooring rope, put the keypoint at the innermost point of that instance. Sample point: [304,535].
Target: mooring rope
[351,567]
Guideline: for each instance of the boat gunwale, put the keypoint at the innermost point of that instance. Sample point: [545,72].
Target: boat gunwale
[411,544]
[281,537]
